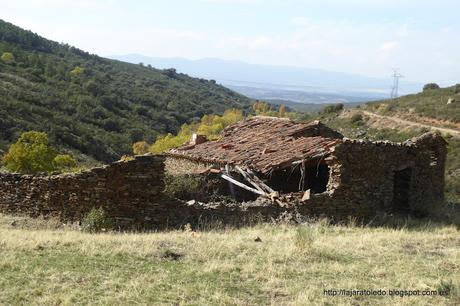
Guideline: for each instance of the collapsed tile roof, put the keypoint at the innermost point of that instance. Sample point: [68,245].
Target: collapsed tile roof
[264,144]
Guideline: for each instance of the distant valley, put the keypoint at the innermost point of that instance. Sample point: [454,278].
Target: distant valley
[283,83]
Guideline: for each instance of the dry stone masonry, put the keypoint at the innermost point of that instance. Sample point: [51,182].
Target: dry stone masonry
[362,179]
[130,191]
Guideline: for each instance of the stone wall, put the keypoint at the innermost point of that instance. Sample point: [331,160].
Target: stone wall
[362,176]
[361,184]
[129,191]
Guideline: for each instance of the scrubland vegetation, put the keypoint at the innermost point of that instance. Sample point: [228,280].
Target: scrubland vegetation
[93,106]
[431,103]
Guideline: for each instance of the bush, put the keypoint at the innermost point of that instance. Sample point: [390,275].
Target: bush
[430,86]
[181,186]
[32,154]
[165,143]
[77,71]
[356,119]
[335,108]
[7,57]
[141,148]
[96,221]
[64,161]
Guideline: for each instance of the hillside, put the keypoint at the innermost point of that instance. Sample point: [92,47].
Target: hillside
[93,106]
[430,106]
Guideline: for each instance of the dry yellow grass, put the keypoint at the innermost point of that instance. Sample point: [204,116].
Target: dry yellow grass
[291,265]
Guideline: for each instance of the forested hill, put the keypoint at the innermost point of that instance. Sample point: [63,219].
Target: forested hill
[93,105]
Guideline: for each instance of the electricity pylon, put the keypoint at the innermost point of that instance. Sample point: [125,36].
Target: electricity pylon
[394,90]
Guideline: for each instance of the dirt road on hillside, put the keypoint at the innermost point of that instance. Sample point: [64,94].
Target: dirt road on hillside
[453,132]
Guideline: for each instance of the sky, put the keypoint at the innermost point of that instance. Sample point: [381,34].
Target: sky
[367,37]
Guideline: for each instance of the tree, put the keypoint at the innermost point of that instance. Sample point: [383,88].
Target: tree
[7,57]
[430,86]
[77,71]
[169,141]
[334,108]
[282,111]
[30,154]
[141,147]
[261,108]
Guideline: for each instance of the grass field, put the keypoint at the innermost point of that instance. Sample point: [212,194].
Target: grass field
[290,265]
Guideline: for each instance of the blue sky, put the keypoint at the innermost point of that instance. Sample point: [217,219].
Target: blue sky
[365,37]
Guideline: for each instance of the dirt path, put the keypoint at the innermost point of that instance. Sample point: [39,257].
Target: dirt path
[453,132]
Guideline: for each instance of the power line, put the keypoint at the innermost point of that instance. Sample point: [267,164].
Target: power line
[396,76]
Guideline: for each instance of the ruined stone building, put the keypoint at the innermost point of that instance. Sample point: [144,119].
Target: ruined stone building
[323,172]
[295,168]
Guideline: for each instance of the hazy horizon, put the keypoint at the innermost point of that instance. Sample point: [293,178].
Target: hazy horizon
[367,38]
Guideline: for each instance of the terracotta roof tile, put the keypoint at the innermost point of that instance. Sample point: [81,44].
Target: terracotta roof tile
[264,144]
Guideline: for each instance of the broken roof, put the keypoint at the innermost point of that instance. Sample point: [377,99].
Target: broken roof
[264,144]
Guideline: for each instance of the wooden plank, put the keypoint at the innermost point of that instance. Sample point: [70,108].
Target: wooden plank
[260,182]
[232,180]
[246,176]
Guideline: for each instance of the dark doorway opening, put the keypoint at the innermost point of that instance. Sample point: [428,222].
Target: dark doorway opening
[315,177]
[401,190]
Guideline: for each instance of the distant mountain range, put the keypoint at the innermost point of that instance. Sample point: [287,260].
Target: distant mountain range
[281,82]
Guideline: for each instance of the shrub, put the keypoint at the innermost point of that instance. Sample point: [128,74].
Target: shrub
[430,86]
[165,143]
[141,147]
[7,58]
[181,186]
[32,153]
[335,108]
[282,111]
[357,119]
[261,108]
[64,161]
[96,221]
[77,71]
